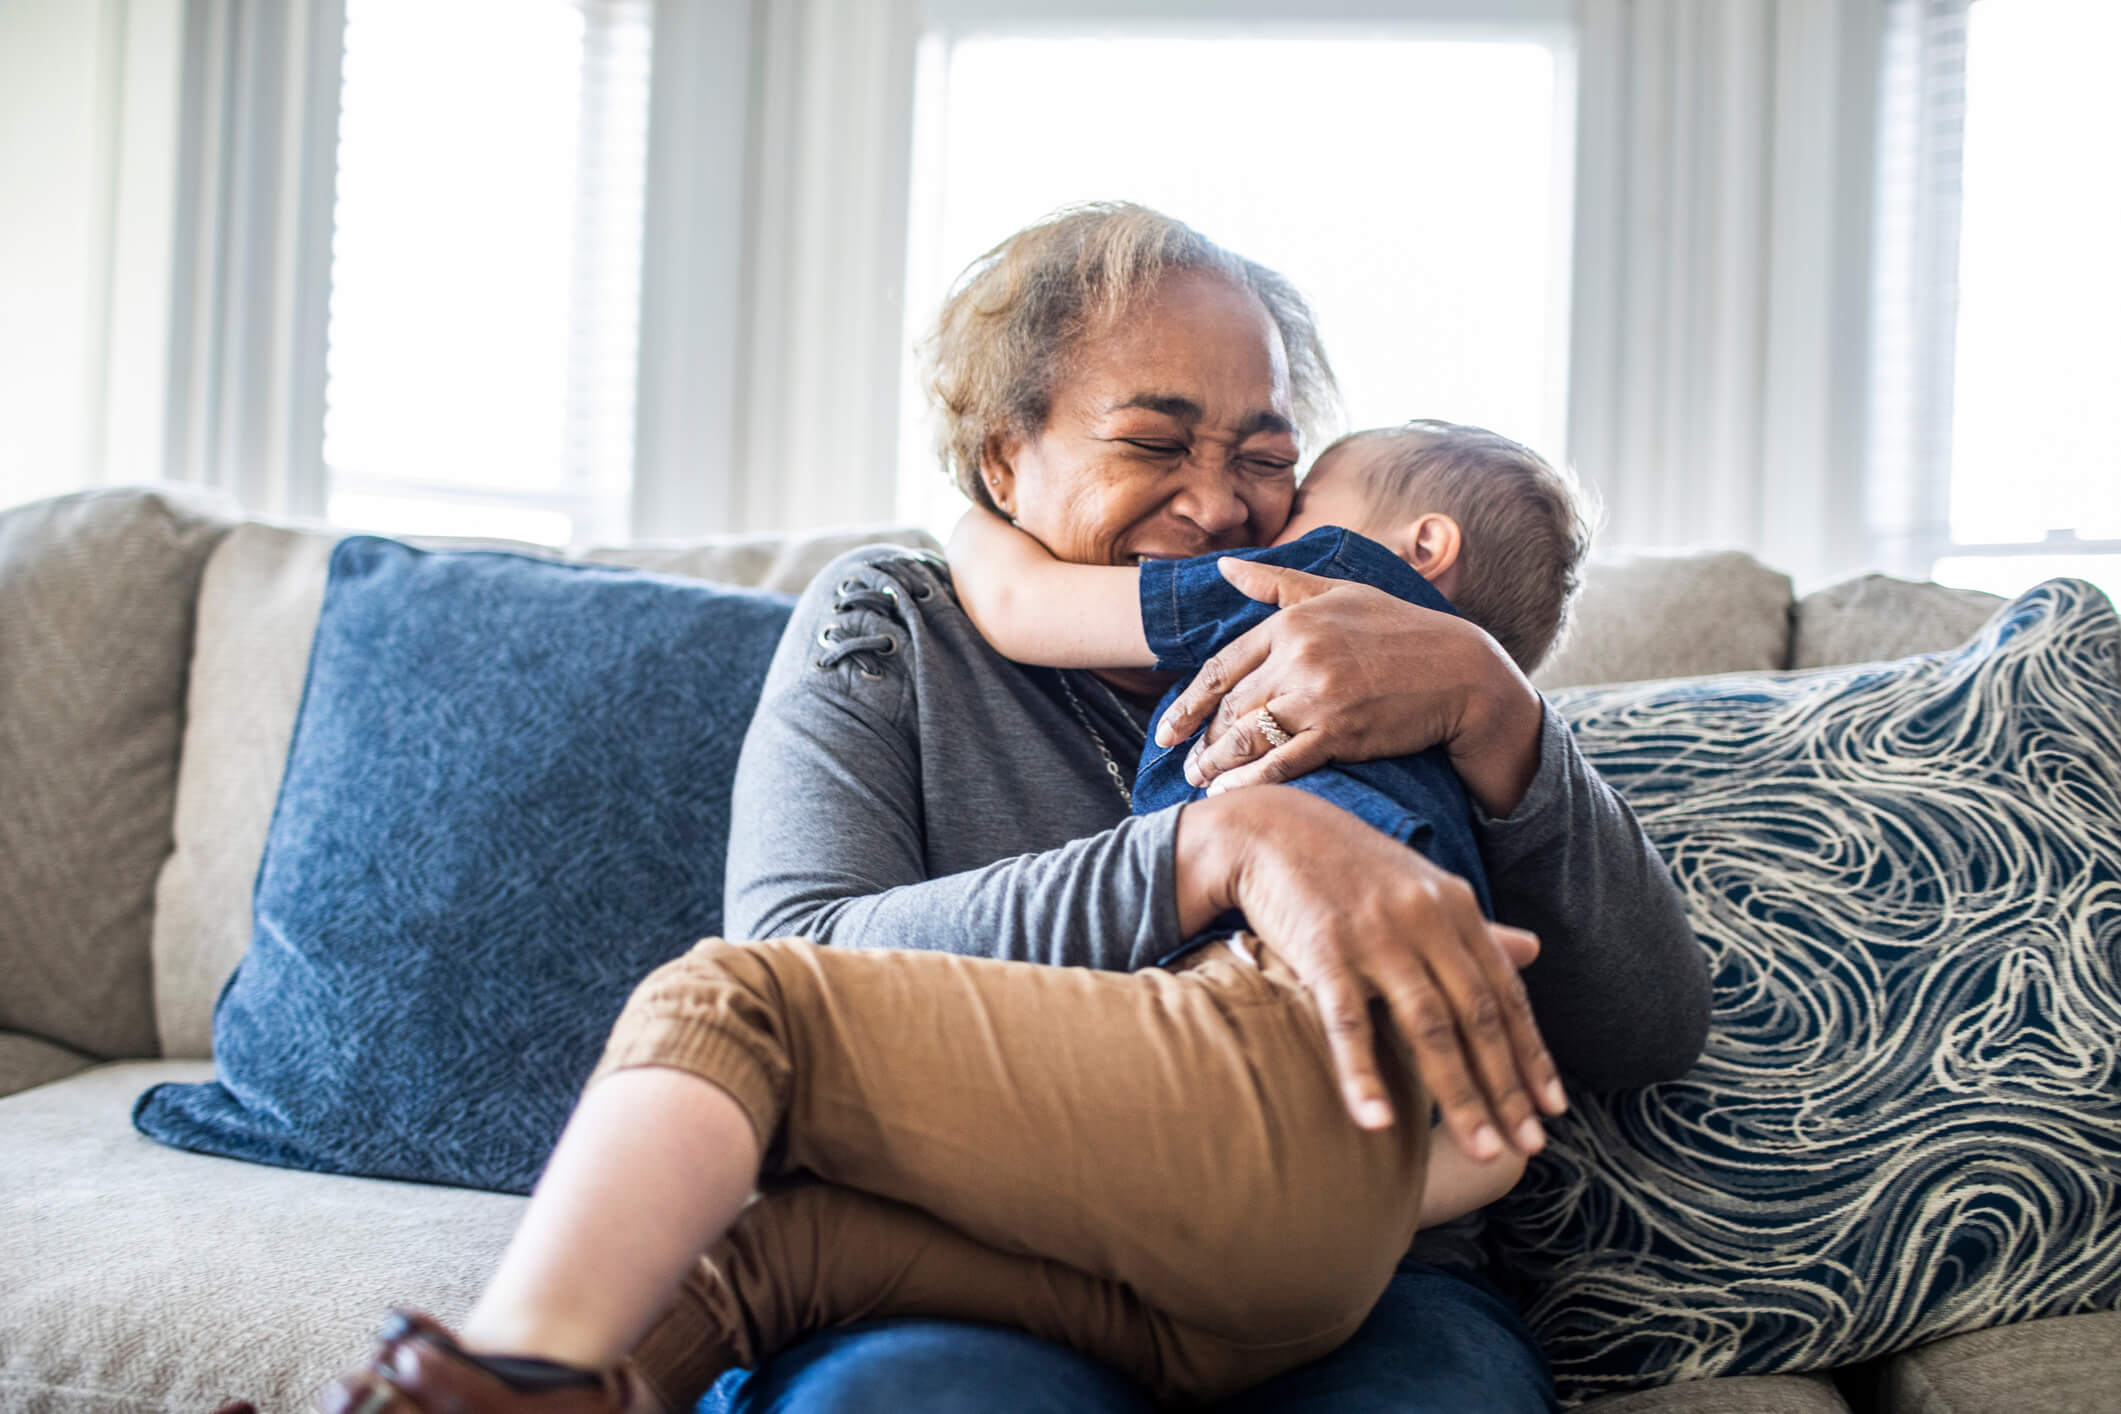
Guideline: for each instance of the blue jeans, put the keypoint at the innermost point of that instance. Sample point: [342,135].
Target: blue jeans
[1438,1341]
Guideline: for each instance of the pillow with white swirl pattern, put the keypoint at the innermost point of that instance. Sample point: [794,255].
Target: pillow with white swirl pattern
[1907,1123]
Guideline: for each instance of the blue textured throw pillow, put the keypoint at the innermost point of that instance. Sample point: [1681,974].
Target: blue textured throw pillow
[506,801]
[1907,1123]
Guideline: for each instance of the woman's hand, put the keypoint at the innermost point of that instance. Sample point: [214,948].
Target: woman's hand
[1361,917]
[1353,674]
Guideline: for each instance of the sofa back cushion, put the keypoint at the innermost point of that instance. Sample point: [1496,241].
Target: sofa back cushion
[96,603]
[1672,616]
[257,614]
[1874,617]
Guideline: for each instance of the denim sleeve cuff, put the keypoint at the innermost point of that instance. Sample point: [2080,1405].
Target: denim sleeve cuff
[1163,624]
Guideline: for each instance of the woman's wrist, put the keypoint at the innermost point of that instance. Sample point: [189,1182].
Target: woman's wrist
[1495,749]
[1209,850]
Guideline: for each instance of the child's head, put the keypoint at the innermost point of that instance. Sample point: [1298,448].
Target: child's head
[1496,529]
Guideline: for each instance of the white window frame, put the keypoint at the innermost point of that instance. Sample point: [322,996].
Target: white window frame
[1549,23]
[1921,133]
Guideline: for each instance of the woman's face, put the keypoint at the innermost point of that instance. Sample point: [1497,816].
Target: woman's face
[1171,434]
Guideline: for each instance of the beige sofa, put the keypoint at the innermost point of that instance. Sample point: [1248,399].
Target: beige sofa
[152,650]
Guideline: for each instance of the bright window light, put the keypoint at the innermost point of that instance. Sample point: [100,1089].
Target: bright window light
[485,266]
[1416,192]
[2012,575]
[2036,435]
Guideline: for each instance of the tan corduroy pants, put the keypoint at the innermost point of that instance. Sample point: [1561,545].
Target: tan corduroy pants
[1154,1168]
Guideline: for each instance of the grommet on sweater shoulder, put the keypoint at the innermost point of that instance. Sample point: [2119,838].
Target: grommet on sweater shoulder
[858,634]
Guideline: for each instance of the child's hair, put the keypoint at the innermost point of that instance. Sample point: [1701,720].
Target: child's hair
[1526,526]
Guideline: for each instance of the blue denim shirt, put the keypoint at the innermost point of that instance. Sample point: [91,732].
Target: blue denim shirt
[1189,612]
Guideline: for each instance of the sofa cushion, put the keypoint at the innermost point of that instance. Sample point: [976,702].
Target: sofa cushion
[1906,1124]
[2063,1365]
[1874,617]
[1669,616]
[783,563]
[506,801]
[257,608]
[257,612]
[27,1061]
[96,597]
[141,1278]
[1735,1394]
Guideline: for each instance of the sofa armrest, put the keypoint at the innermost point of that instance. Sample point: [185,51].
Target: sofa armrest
[27,1061]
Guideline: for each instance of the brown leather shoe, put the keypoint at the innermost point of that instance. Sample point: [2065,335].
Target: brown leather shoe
[420,1369]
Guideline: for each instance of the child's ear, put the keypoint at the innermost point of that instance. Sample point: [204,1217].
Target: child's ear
[997,472]
[1431,543]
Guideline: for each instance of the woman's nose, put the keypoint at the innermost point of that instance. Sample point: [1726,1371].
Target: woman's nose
[1210,500]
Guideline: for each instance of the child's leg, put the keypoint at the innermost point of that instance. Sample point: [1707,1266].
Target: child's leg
[1176,1132]
[813,1255]
[1180,1134]
[653,1166]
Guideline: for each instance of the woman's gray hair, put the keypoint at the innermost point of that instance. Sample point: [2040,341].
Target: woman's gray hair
[1001,343]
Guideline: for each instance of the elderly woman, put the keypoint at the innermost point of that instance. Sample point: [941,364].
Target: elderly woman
[1123,389]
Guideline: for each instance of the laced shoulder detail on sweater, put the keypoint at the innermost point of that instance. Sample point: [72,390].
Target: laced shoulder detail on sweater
[869,615]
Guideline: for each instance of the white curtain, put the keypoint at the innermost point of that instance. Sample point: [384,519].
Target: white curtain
[256,138]
[1721,305]
[824,326]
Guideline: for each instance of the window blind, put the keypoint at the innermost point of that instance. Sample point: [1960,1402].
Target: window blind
[485,267]
[1994,425]
[1921,131]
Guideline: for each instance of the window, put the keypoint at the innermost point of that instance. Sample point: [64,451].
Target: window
[2017,368]
[1416,189]
[485,267]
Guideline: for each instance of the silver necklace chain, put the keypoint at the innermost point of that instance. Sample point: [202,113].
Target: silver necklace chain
[1097,738]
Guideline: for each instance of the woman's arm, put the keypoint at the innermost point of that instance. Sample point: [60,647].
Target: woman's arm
[924,794]
[1036,609]
[1621,986]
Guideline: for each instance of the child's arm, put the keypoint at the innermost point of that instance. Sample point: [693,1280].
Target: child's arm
[1037,609]
[1457,1184]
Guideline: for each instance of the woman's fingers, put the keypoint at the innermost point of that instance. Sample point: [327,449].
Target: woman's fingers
[1519,948]
[1237,739]
[1345,1010]
[1484,993]
[1535,1061]
[1216,676]
[1305,752]
[1360,915]
[1273,584]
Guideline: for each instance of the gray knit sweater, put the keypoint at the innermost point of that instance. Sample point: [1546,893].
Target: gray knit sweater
[904,786]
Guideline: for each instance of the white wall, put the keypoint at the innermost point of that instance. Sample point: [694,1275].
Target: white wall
[87,147]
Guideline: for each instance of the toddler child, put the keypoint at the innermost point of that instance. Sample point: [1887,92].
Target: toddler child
[1154,1168]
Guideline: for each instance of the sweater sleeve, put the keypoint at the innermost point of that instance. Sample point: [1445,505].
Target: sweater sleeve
[1621,986]
[832,838]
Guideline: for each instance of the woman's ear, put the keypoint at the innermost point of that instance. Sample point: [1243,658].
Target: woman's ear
[997,472]
[1432,544]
